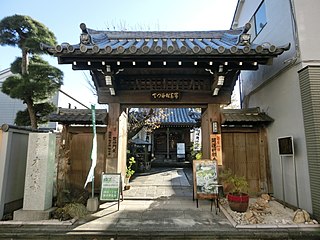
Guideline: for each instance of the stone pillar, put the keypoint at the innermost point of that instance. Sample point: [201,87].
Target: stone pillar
[37,202]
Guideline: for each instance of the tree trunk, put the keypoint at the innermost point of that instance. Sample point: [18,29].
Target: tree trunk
[24,63]
[32,114]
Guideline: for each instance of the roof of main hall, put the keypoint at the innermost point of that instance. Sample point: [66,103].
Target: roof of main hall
[122,43]
[178,116]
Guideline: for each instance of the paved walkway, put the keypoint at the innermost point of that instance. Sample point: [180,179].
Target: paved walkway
[160,182]
[159,205]
[165,204]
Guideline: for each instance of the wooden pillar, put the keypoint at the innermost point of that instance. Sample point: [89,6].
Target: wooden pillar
[112,138]
[168,143]
[211,114]
[152,144]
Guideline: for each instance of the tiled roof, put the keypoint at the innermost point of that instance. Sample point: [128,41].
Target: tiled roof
[78,116]
[121,43]
[175,116]
[244,116]
[178,117]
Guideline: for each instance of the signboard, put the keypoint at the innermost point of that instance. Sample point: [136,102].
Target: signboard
[205,177]
[181,150]
[110,187]
[112,145]
[285,146]
[216,148]
[205,181]
[165,95]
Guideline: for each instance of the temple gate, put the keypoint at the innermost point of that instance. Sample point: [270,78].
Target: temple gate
[164,69]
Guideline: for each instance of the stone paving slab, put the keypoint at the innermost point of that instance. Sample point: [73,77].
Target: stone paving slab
[161,177]
[160,182]
[152,215]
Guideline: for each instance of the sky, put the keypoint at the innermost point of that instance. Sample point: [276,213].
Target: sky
[63,18]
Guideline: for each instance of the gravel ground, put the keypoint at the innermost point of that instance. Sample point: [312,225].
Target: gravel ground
[276,214]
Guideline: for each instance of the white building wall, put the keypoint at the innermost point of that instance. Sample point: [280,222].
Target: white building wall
[246,9]
[275,89]
[281,100]
[308,18]
[277,31]
[8,106]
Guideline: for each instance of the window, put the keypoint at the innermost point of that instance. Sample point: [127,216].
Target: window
[260,18]
[258,21]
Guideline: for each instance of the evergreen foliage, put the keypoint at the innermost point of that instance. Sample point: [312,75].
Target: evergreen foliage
[34,79]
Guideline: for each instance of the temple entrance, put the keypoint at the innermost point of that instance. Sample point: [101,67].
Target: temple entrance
[164,69]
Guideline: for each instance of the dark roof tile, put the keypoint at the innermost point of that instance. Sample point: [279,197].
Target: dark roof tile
[178,117]
[163,42]
[78,116]
[244,116]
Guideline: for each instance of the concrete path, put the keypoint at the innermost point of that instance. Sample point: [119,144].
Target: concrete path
[160,182]
[159,205]
[160,200]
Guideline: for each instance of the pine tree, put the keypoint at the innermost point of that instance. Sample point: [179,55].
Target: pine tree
[33,82]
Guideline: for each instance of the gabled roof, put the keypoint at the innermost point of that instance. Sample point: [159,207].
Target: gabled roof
[250,116]
[153,43]
[78,116]
[202,65]
[178,117]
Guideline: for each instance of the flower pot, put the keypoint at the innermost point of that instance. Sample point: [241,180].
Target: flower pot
[126,180]
[238,203]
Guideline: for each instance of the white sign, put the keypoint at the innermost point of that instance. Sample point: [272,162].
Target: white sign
[181,149]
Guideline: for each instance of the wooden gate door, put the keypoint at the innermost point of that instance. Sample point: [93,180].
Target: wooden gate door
[80,158]
[244,155]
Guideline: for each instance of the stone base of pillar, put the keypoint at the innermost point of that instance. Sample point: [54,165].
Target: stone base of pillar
[93,204]
[32,215]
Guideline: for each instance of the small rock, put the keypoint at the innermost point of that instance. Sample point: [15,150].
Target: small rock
[262,203]
[298,216]
[306,216]
[248,215]
[266,196]
[253,221]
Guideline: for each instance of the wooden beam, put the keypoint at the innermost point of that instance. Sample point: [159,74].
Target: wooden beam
[144,98]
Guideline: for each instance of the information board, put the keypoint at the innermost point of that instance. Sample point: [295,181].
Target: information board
[110,187]
[216,148]
[205,181]
[285,146]
[181,150]
[205,177]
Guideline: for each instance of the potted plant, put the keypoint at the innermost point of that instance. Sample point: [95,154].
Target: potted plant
[237,196]
[129,171]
